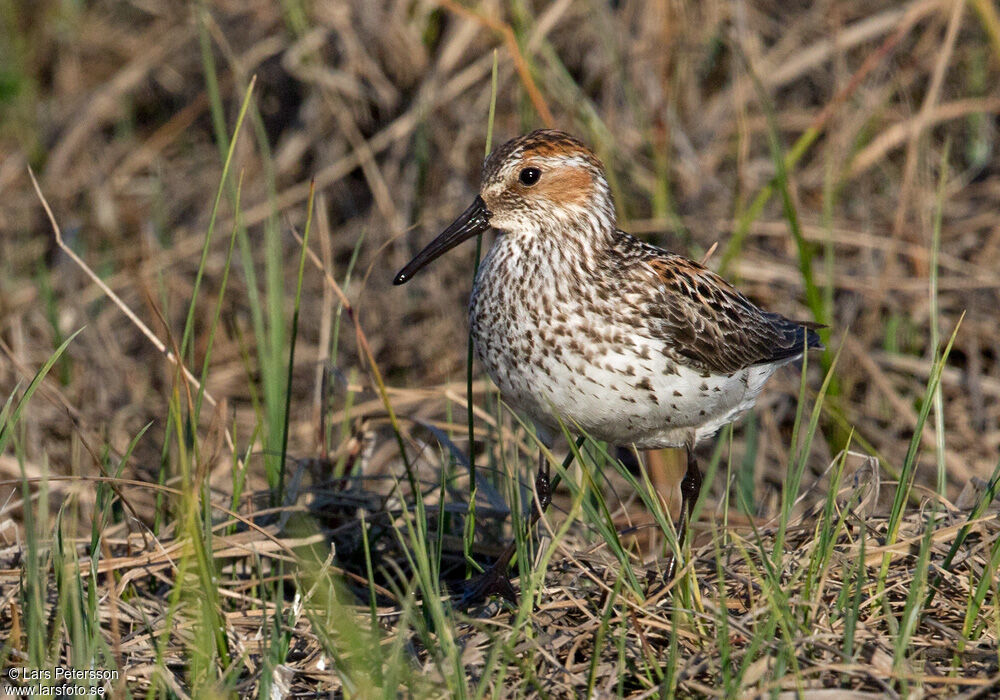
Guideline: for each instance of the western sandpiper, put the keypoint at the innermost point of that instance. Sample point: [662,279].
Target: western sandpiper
[583,325]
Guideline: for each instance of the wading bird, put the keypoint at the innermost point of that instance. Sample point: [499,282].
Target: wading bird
[580,323]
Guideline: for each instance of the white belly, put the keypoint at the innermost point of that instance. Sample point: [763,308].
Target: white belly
[620,398]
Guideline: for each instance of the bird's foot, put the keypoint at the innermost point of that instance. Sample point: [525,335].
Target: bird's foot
[493,581]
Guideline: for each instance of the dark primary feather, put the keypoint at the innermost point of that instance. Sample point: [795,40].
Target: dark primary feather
[706,322]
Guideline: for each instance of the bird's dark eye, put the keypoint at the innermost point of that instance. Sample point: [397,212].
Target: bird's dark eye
[529,176]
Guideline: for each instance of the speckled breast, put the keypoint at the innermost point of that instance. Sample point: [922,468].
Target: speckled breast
[559,347]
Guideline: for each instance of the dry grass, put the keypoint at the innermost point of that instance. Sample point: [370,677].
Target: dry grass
[383,105]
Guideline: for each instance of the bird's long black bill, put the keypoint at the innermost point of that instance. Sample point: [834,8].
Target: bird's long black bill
[473,221]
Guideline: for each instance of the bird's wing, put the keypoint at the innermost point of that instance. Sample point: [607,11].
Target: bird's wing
[705,322]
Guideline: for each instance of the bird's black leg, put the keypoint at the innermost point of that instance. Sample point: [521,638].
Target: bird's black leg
[542,485]
[690,490]
[495,580]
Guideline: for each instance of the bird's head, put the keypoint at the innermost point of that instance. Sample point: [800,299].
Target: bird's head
[546,183]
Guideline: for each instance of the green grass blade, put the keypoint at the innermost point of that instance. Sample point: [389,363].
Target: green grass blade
[291,349]
[14,414]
